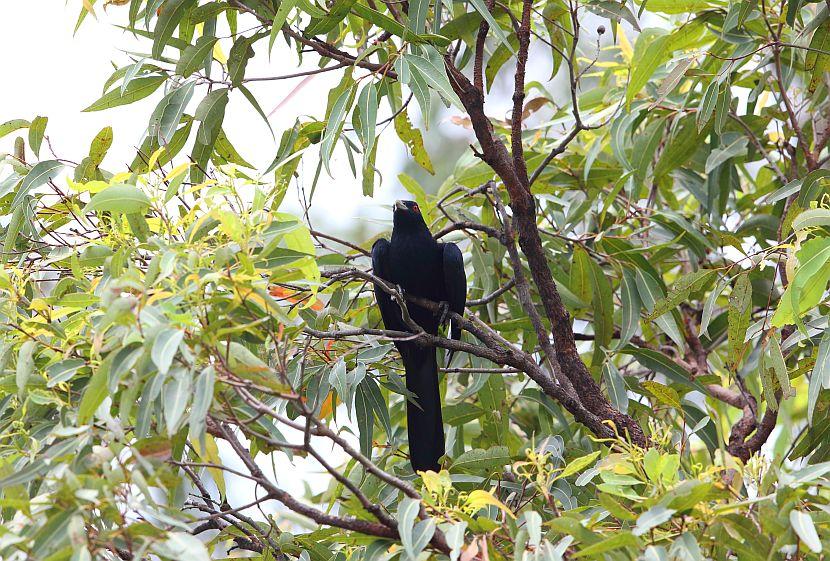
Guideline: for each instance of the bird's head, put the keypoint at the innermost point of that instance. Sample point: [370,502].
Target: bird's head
[407,214]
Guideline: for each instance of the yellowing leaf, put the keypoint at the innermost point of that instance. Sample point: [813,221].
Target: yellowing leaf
[578,465]
[151,165]
[663,394]
[88,187]
[178,170]
[479,499]
[219,54]
[328,406]
[211,455]
[438,484]
[625,46]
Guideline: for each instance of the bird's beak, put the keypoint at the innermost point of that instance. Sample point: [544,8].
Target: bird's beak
[399,206]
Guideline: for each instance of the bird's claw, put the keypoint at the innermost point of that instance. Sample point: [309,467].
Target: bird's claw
[443,313]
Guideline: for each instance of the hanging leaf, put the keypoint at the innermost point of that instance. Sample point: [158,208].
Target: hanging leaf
[122,198]
[738,316]
[36,131]
[170,15]
[136,90]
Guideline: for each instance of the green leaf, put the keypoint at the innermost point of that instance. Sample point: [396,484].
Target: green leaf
[580,278]
[436,77]
[255,104]
[615,542]
[224,152]
[170,15]
[602,308]
[709,305]
[481,7]
[165,347]
[417,15]
[25,365]
[168,113]
[807,286]
[39,175]
[408,509]
[194,56]
[653,517]
[334,126]
[477,459]
[238,58]
[657,361]
[811,218]
[792,11]
[41,465]
[664,394]
[578,464]
[817,59]
[365,420]
[390,25]
[136,90]
[375,399]
[708,102]
[675,6]
[779,367]
[683,143]
[121,198]
[802,524]
[461,413]
[650,51]
[100,146]
[820,376]
[211,112]
[367,108]
[175,397]
[615,386]
[96,391]
[680,290]
[614,12]
[202,400]
[63,371]
[738,317]
[721,155]
[10,126]
[413,140]
[338,12]
[129,73]
[279,20]
[631,307]
[12,232]
[645,147]
[36,132]
[650,293]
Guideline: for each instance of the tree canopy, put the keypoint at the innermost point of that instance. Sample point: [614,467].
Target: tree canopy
[645,363]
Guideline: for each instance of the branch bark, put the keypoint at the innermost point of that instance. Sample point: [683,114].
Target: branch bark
[523,206]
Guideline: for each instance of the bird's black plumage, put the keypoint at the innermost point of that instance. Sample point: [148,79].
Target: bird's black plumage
[422,267]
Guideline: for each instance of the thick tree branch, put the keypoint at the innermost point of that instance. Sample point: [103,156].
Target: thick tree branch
[517,146]
[494,153]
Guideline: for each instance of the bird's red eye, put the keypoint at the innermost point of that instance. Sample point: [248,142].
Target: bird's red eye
[416,208]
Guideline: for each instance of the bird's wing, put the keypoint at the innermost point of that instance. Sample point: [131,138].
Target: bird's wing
[455,282]
[389,311]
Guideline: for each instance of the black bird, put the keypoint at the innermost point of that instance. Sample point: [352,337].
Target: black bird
[419,265]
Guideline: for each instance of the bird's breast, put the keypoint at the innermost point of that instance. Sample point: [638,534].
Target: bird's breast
[416,267]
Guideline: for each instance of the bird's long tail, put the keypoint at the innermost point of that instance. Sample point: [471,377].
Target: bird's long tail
[425,426]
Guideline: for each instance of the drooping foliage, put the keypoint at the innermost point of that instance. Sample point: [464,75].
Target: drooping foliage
[645,366]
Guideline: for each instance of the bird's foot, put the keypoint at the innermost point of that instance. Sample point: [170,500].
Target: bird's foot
[443,313]
[399,293]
